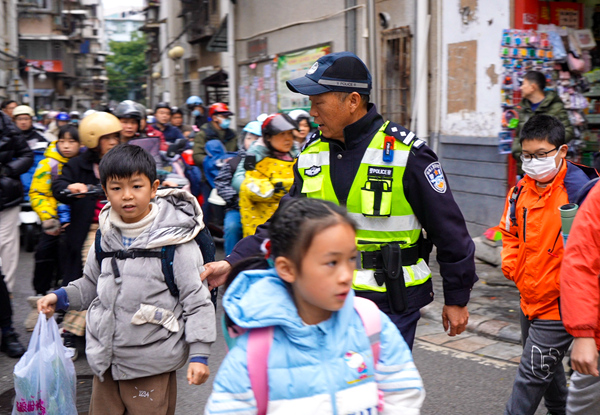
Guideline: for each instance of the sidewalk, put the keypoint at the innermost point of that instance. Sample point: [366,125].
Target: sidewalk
[493,329]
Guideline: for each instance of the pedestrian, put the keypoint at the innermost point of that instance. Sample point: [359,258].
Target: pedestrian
[177,122]
[358,160]
[55,216]
[302,118]
[7,106]
[536,100]
[262,184]
[232,223]
[532,251]
[163,113]
[10,339]
[217,129]
[15,159]
[197,111]
[321,358]
[99,132]
[580,306]
[137,338]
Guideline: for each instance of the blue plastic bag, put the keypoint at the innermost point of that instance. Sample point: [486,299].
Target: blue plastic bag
[45,381]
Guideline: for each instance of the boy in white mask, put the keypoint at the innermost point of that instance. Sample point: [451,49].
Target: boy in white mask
[531,257]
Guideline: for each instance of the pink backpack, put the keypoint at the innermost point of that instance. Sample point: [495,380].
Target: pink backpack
[260,340]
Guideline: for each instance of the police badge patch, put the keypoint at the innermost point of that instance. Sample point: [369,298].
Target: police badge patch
[312,171]
[436,178]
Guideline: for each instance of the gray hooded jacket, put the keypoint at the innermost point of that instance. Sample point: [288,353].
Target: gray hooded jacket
[135,326]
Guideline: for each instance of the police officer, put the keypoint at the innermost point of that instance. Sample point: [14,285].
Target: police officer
[393,187]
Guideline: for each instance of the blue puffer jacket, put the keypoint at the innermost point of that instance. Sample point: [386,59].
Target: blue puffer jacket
[325,368]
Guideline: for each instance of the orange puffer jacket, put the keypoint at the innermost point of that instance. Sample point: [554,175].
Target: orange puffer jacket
[532,250]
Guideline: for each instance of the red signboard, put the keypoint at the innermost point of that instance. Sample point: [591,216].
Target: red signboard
[561,13]
[48,66]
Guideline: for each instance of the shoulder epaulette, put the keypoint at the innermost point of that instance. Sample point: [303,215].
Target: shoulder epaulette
[403,135]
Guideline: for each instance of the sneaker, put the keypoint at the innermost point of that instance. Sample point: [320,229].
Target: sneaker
[32,317]
[11,345]
[70,343]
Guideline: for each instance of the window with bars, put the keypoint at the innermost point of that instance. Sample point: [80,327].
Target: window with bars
[395,75]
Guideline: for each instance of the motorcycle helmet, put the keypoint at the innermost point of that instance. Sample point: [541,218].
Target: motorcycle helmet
[128,109]
[176,110]
[23,110]
[63,116]
[219,108]
[298,115]
[193,101]
[253,127]
[140,108]
[74,114]
[95,126]
[88,112]
[52,115]
[162,104]
[277,123]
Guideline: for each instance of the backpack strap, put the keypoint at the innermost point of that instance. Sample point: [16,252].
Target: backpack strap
[371,318]
[514,197]
[166,255]
[259,345]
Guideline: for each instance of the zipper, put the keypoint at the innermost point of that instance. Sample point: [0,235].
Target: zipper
[524,224]
[551,251]
[324,362]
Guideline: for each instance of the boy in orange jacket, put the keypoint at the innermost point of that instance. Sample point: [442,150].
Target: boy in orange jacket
[580,305]
[531,257]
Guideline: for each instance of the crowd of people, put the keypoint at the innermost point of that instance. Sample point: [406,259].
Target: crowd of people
[327,234]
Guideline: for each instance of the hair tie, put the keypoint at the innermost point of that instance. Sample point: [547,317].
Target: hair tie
[265,248]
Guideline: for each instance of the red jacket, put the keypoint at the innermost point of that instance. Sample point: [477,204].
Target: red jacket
[580,288]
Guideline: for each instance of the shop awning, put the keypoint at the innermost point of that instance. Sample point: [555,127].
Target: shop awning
[43,92]
[217,79]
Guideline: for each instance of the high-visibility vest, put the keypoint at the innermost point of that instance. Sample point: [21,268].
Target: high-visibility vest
[376,203]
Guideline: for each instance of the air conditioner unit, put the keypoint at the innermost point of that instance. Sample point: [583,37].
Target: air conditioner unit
[3,78]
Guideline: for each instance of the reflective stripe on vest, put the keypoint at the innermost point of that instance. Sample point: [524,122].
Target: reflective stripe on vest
[377,184]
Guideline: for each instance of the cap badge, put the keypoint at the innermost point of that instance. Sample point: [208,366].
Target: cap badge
[313,68]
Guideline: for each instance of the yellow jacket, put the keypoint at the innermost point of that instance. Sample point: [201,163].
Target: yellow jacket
[260,192]
[40,192]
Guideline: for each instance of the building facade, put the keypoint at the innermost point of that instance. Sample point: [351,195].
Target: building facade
[118,27]
[65,40]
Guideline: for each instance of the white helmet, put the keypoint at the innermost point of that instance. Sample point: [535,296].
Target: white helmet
[88,112]
[297,115]
[23,110]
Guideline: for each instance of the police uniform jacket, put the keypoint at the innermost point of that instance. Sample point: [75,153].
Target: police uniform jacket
[437,211]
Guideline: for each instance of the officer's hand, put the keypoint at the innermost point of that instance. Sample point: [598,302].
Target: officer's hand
[455,319]
[584,356]
[216,272]
[197,373]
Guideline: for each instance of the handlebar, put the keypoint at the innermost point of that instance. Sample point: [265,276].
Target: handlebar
[94,190]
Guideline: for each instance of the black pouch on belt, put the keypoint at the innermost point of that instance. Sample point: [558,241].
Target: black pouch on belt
[394,277]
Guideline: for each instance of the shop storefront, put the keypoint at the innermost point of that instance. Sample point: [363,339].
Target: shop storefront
[558,39]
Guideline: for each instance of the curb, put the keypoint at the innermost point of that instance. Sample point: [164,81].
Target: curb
[486,326]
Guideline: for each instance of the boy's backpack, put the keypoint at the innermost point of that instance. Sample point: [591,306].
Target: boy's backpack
[166,255]
[260,340]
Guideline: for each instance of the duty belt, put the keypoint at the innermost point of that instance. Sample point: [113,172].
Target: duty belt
[374,259]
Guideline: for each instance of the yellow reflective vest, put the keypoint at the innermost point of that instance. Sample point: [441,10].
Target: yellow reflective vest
[376,203]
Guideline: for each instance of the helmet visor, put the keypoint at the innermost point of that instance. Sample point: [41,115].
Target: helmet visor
[278,123]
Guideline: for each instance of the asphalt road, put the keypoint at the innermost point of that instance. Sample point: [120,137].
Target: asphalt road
[456,383]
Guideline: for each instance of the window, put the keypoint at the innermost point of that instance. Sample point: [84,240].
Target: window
[395,85]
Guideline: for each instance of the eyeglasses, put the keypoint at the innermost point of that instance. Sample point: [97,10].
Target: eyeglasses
[538,156]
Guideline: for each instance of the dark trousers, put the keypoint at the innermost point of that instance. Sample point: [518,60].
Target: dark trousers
[406,322]
[5,306]
[540,373]
[47,268]
[72,265]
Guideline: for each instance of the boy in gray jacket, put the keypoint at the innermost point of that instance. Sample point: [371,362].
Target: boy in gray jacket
[138,332]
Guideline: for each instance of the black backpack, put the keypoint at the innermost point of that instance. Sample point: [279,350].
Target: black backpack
[166,255]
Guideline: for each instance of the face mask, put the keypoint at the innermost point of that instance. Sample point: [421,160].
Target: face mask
[195,113]
[225,123]
[541,170]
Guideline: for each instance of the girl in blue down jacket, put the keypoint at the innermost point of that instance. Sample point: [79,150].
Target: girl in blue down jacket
[320,360]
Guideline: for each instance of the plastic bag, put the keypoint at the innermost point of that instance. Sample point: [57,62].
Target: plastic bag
[45,381]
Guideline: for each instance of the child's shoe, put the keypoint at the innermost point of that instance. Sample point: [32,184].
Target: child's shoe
[32,317]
